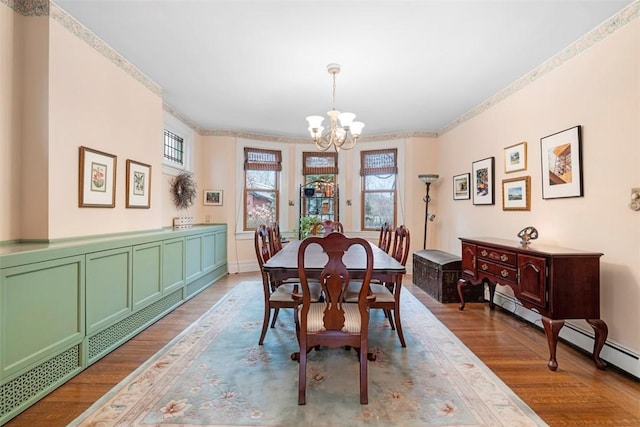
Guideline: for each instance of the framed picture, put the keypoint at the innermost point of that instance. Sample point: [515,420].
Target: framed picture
[515,158]
[213,197]
[461,186]
[138,185]
[97,179]
[482,174]
[562,164]
[516,194]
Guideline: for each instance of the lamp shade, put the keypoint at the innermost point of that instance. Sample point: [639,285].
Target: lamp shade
[428,178]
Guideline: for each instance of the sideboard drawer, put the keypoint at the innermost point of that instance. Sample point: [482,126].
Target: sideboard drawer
[505,257]
[497,272]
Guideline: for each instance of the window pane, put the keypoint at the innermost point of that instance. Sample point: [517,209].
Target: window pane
[261,208]
[378,209]
[379,182]
[173,147]
[261,180]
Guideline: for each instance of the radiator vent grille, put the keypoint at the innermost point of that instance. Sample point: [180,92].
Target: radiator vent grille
[114,336]
[37,380]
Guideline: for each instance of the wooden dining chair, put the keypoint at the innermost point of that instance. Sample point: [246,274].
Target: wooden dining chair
[387,295]
[276,295]
[384,242]
[275,238]
[326,226]
[333,322]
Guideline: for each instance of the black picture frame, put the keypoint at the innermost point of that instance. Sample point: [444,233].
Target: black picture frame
[483,179]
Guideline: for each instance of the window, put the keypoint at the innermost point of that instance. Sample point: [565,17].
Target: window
[379,170]
[177,146]
[261,168]
[173,147]
[319,167]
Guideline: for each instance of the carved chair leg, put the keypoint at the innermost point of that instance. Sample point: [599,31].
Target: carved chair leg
[275,317]
[389,316]
[302,379]
[364,391]
[265,323]
[399,326]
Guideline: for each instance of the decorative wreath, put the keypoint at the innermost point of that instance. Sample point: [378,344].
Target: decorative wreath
[183,190]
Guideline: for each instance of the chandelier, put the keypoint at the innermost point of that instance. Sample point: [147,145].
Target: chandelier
[343,136]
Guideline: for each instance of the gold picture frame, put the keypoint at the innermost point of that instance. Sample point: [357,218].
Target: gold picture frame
[516,194]
[515,157]
[97,179]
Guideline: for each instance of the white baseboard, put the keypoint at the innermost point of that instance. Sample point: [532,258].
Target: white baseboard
[243,267]
[612,353]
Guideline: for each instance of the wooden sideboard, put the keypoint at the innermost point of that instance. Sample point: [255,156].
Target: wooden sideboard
[556,282]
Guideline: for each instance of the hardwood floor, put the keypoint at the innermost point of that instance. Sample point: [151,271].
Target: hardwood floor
[577,394]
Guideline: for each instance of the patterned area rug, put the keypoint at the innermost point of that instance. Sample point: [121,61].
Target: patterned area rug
[216,374]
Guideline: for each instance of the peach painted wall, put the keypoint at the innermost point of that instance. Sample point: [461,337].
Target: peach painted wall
[600,90]
[11,71]
[96,104]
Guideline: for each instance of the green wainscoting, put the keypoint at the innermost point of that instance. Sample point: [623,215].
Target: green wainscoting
[65,305]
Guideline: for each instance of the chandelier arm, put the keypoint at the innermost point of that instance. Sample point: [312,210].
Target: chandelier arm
[349,143]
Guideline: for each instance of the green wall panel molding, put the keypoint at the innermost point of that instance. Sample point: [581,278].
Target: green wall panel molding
[108,284]
[173,259]
[41,311]
[147,272]
[64,305]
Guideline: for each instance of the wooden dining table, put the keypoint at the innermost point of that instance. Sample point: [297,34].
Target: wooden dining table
[284,264]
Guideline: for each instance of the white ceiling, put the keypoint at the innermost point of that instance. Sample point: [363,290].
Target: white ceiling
[407,66]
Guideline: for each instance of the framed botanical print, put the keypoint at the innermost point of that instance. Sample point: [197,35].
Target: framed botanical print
[97,179]
[138,185]
[562,164]
[482,177]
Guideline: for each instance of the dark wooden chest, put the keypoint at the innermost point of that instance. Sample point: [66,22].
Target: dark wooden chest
[437,273]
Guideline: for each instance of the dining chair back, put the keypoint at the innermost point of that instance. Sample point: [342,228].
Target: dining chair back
[275,238]
[384,242]
[387,295]
[326,227]
[333,322]
[276,295]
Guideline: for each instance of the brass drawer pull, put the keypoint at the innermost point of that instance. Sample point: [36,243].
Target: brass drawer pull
[504,273]
[485,267]
[484,253]
[503,258]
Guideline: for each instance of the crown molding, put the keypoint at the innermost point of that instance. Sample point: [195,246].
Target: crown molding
[47,7]
[600,33]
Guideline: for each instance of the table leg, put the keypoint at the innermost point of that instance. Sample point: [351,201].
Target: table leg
[601,330]
[552,329]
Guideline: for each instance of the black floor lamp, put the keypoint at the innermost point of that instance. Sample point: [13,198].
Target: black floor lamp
[428,179]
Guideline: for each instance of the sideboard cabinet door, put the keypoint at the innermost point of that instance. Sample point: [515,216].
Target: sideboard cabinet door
[469,260]
[532,279]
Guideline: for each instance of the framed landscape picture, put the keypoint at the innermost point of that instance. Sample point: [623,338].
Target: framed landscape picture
[138,185]
[516,194]
[97,179]
[562,164]
[482,176]
[515,157]
[213,197]
[461,187]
